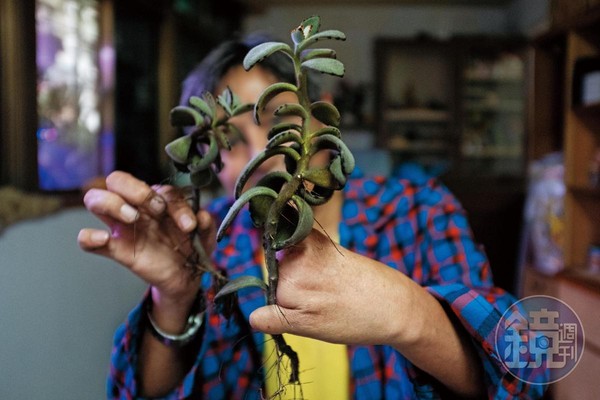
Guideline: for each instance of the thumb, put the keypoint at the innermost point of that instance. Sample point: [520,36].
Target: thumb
[273,320]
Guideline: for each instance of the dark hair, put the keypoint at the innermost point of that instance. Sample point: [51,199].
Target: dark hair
[206,75]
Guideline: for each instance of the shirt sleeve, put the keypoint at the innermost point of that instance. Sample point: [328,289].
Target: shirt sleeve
[459,276]
[123,380]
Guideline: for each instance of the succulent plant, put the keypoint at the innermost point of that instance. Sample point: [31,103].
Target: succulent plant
[280,203]
[198,152]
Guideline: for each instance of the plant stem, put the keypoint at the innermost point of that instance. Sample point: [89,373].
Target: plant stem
[200,261]
[275,213]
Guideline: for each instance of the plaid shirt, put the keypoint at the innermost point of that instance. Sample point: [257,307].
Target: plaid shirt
[413,225]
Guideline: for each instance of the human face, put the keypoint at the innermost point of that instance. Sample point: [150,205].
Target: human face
[248,85]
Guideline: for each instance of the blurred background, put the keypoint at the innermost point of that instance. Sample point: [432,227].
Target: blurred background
[497,98]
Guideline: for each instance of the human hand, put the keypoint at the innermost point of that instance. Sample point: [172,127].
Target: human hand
[148,233]
[329,293]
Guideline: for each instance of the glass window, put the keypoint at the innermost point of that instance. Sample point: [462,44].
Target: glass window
[75,73]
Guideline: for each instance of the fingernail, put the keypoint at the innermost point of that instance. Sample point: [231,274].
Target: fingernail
[185,222]
[128,213]
[99,237]
[157,204]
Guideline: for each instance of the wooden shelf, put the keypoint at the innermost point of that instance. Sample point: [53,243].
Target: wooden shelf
[589,191]
[582,277]
[575,129]
[588,110]
[559,124]
[416,115]
[499,152]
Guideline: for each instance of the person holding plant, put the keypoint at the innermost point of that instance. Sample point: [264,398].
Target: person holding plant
[389,292]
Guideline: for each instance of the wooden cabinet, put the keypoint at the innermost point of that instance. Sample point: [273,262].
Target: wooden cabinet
[560,120]
[582,294]
[415,101]
[491,106]
[456,106]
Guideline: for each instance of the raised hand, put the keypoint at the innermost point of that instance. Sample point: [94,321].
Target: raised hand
[330,293]
[148,232]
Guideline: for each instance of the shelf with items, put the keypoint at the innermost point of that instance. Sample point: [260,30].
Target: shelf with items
[415,101]
[417,114]
[491,106]
[582,151]
[465,95]
[564,117]
[419,135]
[463,120]
[546,90]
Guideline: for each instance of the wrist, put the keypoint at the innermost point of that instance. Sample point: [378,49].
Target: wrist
[171,335]
[411,323]
[171,312]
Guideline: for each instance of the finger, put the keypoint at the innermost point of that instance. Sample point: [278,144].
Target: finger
[135,192]
[273,320]
[178,208]
[205,221]
[92,239]
[108,204]
[101,243]
[208,230]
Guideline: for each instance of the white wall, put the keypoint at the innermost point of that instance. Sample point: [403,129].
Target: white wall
[363,23]
[59,308]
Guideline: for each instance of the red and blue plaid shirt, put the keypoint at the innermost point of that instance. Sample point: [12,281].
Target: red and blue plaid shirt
[413,225]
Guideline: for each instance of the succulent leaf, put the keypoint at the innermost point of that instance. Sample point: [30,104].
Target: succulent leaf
[221,137]
[264,50]
[320,176]
[297,35]
[303,226]
[275,180]
[337,171]
[185,116]
[291,109]
[328,141]
[282,127]
[235,135]
[179,149]
[329,34]
[203,162]
[317,196]
[225,100]
[329,66]
[202,177]
[284,137]
[258,160]
[326,112]
[259,209]
[317,53]
[212,104]
[269,94]
[328,130]
[240,109]
[291,162]
[239,203]
[240,283]
[311,25]
[201,105]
